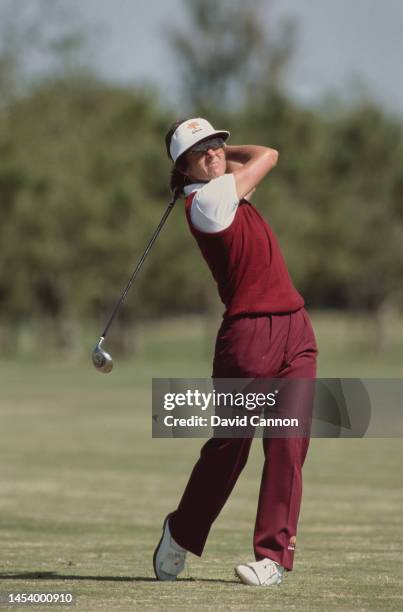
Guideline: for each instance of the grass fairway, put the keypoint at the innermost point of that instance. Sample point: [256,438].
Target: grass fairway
[84,490]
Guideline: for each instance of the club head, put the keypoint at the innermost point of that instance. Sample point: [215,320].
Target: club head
[101,359]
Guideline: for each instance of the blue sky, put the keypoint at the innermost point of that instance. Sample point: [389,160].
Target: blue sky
[341,43]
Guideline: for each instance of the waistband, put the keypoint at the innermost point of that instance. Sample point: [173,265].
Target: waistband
[254,315]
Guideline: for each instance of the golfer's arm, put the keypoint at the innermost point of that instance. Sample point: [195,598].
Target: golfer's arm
[232,166]
[256,162]
[235,165]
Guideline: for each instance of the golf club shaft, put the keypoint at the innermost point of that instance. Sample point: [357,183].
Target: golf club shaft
[140,263]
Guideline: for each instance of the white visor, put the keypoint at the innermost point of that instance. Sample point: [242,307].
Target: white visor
[190,132]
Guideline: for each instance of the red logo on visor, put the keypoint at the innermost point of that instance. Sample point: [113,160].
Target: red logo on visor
[194,126]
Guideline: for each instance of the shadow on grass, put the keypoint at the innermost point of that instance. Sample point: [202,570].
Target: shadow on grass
[56,576]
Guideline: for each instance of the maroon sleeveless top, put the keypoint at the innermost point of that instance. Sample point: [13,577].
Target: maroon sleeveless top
[247,264]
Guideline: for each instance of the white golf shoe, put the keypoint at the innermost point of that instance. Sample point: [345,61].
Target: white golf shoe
[260,573]
[169,557]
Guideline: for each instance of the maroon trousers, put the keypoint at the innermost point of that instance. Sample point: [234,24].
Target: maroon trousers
[269,346]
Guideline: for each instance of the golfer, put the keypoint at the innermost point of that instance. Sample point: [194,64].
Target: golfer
[265,333]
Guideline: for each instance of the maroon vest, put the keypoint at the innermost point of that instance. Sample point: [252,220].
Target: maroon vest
[247,264]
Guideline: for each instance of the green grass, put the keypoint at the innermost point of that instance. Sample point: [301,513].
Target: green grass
[84,489]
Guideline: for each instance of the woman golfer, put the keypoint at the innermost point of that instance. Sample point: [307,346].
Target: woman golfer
[266,333]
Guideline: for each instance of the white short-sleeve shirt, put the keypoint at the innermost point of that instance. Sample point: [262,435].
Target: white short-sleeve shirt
[215,204]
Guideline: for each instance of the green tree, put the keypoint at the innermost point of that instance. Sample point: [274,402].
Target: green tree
[366,164]
[81,192]
[226,53]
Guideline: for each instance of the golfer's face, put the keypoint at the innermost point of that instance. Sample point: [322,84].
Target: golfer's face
[206,165]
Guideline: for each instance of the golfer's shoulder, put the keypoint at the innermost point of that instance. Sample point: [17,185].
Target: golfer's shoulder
[214,204]
[217,192]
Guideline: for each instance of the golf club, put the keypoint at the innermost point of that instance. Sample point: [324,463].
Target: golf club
[102,360]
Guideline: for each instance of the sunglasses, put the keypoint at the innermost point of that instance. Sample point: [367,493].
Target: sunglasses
[205,145]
